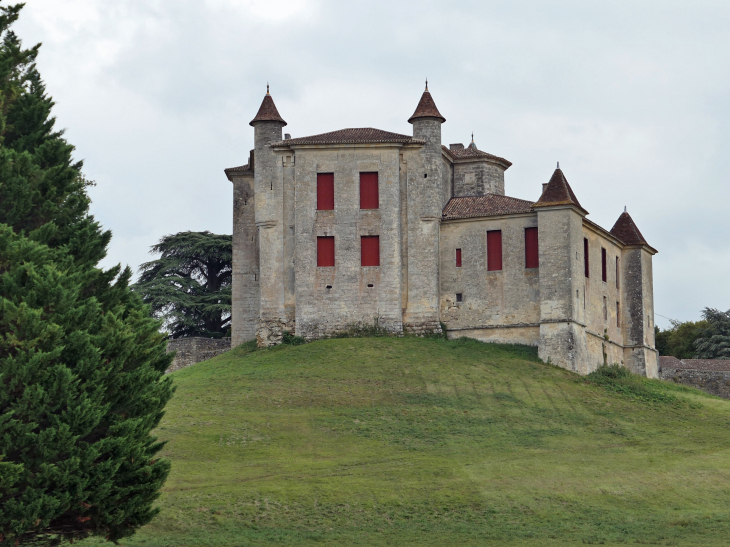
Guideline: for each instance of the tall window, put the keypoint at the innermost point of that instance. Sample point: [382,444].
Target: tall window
[618,315]
[370,251]
[617,276]
[494,250]
[585,256]
[531,251]
[604,274]
[605,308]
[325,251]
[325,191]
[369,191]
[458,258]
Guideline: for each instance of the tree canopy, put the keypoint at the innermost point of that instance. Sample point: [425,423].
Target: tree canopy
[189,286]
[81,360]
[714,340]
[679,340]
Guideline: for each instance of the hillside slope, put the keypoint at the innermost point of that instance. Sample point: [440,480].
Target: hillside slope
[386,441]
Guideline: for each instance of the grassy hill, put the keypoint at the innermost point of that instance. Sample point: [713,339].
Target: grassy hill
[386,441]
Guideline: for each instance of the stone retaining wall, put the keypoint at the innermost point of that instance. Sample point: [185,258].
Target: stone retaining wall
[715,382]
[193,350]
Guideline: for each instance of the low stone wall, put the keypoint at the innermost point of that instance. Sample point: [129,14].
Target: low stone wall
[193,350]
[715,382]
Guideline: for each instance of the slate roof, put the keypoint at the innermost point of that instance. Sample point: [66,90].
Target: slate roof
[469,153]
[626,230]
[484,206]
[362,135]
[558,192]
[267,112]
[426,108]
[720,365]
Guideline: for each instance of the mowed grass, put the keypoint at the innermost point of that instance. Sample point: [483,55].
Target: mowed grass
[407,441]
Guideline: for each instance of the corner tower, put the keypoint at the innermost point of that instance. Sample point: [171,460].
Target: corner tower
[560,243]
[424,205]
[640,354]
[268,187]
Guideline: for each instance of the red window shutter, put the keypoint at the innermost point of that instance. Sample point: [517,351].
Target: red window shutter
[532,257]
[585,255]
[369,191]
[604,275]
[325,191]
[458,258]
[494,250]
[370,251]
[325,252]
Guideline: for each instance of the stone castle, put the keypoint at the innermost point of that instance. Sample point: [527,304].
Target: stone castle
[364,226]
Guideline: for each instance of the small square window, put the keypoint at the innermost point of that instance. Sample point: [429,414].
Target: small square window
[459,297]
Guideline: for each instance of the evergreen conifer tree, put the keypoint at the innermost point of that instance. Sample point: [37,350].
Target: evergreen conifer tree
[714,342]
[189,286]
[81,360]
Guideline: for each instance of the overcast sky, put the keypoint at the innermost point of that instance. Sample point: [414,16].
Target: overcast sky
[633,99]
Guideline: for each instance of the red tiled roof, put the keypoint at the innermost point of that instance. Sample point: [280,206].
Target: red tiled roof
[469,153]
[267,112]
[363,135]
[426,109]
[487,205]
[720,365]
[626,230]
[558,192]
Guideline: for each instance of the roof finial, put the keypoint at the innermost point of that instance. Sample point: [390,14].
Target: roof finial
[267,88]
[426,83]
[558,165]
[472,137]
[624,208]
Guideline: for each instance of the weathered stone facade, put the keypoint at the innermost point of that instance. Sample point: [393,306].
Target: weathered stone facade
[189,351]
[432,200]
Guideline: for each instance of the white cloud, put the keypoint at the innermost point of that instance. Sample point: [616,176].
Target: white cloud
[633,101]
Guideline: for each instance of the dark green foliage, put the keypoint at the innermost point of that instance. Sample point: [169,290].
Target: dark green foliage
[621,380]
[679,341]
[714,340]
[189,286]
[289,339]
[81,361]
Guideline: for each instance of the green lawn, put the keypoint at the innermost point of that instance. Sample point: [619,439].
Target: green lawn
[406,441]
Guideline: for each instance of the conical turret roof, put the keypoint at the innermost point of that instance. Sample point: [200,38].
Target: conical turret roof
[625,229]
[426,108]
[267,112]
[558,192]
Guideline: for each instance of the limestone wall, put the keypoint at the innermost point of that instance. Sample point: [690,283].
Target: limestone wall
[194,350]
[424,204]
[477,178]
[245,285]
[500,306]
[604,329]
[328,299]
[562,330]
[269,188]
[716,382]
